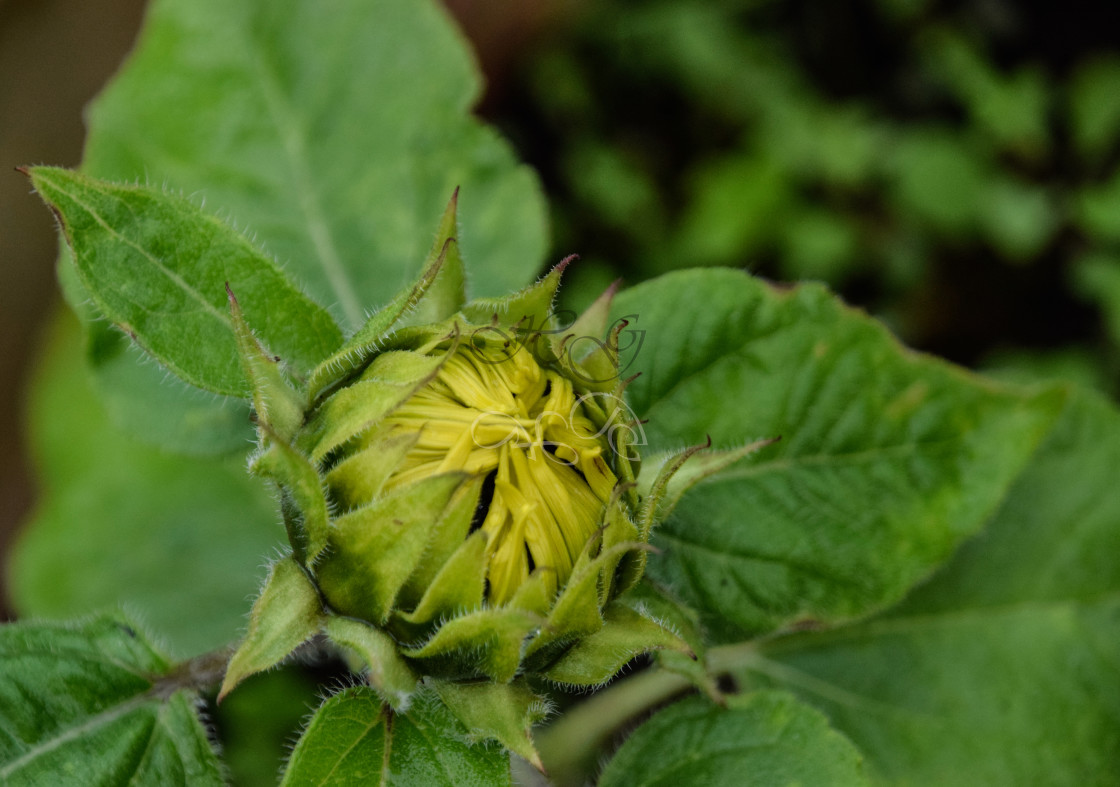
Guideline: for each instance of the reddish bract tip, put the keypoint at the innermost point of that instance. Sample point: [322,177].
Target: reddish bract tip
[564,263]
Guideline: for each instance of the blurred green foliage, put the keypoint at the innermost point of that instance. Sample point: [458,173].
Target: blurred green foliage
[922,159]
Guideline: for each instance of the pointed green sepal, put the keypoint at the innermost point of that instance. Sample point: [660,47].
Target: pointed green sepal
[374,549]
[287,613]
[278,406]
[447,291]
[505,712]
[577,612]
[536,593]
[387,673]
[529,310]
[460,584]
[304,503]
[598,366]
[618,530]
[361,406]
[597,658]
[665,479]
[361,477]
[360,348]
[486,642]
[447,537]
[585,335]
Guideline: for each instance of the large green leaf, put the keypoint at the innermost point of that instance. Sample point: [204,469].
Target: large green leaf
[80,705]
[354,739]
[764,738]
[1005,668]
[334,132]
[887,459]
[158,268]
[181,541]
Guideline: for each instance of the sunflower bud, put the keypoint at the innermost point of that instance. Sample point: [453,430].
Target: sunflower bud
[458,482]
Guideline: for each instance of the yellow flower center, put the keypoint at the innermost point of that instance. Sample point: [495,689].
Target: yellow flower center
[523,428]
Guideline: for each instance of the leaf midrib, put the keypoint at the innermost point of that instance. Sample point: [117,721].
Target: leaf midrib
[170,274]
[73,733]
[294,144]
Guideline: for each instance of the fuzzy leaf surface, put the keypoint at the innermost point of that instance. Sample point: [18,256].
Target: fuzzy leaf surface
[887,459]
[335,133]
[764,738]
[77,708]
[138,392]
[1003,669]
[123,523]
[354,739]
[157,266]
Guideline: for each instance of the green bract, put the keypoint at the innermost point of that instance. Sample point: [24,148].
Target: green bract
[459,482]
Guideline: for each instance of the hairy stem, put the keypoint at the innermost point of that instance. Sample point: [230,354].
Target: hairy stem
[199,673]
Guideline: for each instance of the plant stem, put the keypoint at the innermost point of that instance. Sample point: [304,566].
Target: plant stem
[199,673]
[570,746]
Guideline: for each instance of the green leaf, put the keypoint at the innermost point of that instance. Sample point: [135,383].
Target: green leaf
[939,178]
[158,268]
[287,613]
[1097,276]
[1094,106]
[887,459]
[157,408]
[138,393]
[335,134]
[354,739]
[1003,669]
[504,712]
[80,704]
[1097,209]
[764,738]
[124,523]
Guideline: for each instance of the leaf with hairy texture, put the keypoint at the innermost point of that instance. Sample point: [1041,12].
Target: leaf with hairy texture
[334,133]
[887,459]
[84,703]
[1004,668]
[764,738]
[159,268]
[354,739]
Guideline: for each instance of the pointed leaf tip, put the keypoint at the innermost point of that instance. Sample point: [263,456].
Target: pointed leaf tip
[287,613]
[564,263]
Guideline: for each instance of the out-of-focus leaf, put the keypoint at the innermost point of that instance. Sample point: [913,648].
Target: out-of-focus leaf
[335,133]
[1003,669]
[1094,106]
[179,540]
[1098,209]
[939,179]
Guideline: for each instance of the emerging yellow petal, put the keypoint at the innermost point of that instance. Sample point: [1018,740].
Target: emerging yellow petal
[500,414]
